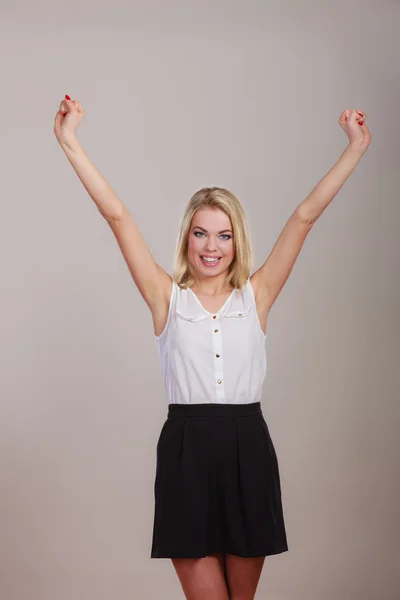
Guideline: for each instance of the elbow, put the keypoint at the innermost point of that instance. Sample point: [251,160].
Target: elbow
[112,217]
[305,216]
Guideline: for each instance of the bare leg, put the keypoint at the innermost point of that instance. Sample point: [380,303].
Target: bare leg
[242,576]
[202,578]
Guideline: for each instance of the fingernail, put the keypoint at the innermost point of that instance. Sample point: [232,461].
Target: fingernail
[67,97]
[361,123]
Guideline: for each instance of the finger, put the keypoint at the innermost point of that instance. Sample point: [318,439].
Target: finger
[355,116]
[71,105]
[361,117]
[345,116]
[64,106]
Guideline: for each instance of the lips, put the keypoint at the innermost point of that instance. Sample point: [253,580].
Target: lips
[212,260]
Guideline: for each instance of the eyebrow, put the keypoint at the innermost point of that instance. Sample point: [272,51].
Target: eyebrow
[205,230]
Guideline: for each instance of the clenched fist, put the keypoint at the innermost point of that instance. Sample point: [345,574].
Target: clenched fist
[353,124]
[67,120]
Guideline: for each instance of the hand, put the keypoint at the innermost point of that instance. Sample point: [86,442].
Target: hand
[353,124]
[68,119]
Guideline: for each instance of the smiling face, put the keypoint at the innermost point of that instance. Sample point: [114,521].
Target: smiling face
[210,242]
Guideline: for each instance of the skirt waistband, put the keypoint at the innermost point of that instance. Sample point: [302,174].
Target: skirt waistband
[214,410]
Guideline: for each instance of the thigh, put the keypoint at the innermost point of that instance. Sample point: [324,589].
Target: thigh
[242,576]
[202,578]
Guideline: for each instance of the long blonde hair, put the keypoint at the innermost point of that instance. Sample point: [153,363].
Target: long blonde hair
[221,198]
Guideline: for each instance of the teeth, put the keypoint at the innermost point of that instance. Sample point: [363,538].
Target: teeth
[209,259]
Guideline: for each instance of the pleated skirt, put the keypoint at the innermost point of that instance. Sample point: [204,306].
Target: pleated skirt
[217,486]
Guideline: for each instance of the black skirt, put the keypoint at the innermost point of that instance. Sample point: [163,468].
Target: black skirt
[217,485]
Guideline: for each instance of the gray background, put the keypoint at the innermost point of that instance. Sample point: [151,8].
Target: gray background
[180,95]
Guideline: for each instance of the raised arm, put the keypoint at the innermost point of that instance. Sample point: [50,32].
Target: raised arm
[151,280]
[270,278]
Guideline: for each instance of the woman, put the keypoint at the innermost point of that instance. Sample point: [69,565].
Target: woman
[218,506]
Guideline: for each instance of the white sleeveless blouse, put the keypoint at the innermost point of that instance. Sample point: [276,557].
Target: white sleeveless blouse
[212,357]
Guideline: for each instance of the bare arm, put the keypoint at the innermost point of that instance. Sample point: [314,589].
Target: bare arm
[152,281]
[107,202]
[270,278]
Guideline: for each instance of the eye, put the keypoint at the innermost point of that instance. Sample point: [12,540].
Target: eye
[225,236]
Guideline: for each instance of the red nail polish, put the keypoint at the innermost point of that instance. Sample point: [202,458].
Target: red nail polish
[67,97]
[361,123]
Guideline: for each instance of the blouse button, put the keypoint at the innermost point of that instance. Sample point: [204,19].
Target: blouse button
[217,355]
[215,330]
[219,381]
[214,316]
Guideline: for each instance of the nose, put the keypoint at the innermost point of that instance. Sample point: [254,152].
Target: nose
[211,245]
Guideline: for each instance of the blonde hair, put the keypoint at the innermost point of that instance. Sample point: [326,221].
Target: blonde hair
[239,269]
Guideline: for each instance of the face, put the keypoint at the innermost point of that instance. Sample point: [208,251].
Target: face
[210,237]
